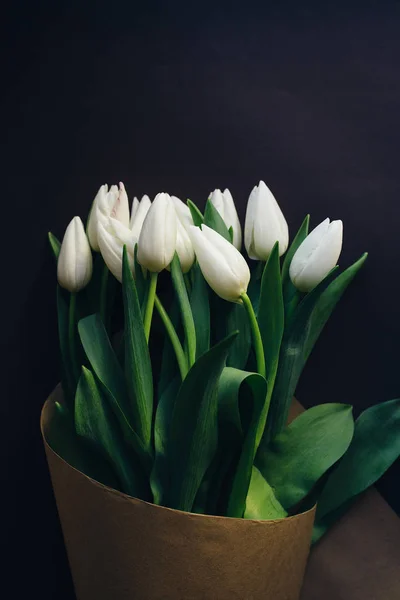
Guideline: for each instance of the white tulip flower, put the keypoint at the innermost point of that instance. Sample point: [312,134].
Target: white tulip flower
[111,202]
[317,255]
[225,205]
[184,248]
[183,212]
[157,240]
[75,264]
[265,224]
[222,265]
[139,212]
[112,237]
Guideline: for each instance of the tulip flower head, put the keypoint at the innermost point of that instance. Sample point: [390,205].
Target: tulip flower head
[184,247]
[225,205]
[222,265]
[139,212]
[265,224]
[157,240]
[112,237]
[107,203]
[183,212]
[317,255]
[74,266]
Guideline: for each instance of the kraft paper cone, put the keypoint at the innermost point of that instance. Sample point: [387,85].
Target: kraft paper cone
[121,548]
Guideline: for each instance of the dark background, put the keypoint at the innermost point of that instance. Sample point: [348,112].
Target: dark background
[185,99]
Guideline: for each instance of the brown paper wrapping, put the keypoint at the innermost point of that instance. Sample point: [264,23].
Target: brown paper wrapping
[121,548]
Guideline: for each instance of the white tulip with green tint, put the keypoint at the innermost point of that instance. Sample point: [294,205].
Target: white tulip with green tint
[74,266]
[107,203]
[138,214]
[225,205]
[317,255]
[265,224]
[112,236]
[183,212]
[223,267]
[157,240]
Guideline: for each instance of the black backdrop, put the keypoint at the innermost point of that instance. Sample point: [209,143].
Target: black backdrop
[187,99]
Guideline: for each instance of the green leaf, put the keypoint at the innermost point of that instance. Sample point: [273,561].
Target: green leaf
[271,322]
[185,308]
[138,372]
[327,302]
[299,456]
[61,436]
[162,423]
[55,245]
[241,398]
[261,502]
[95,423]
[289,291]
[197,216]
[291,360]
[194,426]
[68,380]
[200,305]
[375,447]
[213,219]
[140,280]
[103,360]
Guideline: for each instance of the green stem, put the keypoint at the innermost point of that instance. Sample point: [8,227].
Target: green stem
[173,336]
[256,335]
[72,335]
[148,315]
[103,293]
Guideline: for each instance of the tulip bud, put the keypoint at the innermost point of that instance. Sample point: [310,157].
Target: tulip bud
[317,255]
[183,212]
[222,265]
[112,237]
[184,248]
[120,209]
[139,212]
[157,241]
[74,266]
[265,224]
[225,205]
[114,203]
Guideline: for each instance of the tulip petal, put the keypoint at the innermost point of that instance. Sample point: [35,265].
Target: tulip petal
[157,241]
[75,265]
[223,267]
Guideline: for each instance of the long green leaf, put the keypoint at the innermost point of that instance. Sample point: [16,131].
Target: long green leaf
[271,322]
[186,310]
[159,475]
[291,360]
[107,369]
[197,216]
[261,502]
[138,372]
[199,302]
[213,219]
[375,447]
[241,396]
[298,457]
[290,293]
[194,426]
[103,360]
[60,434]
[327,302]
[95,422]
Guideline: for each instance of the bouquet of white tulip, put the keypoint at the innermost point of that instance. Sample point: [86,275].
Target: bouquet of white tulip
[204,429]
